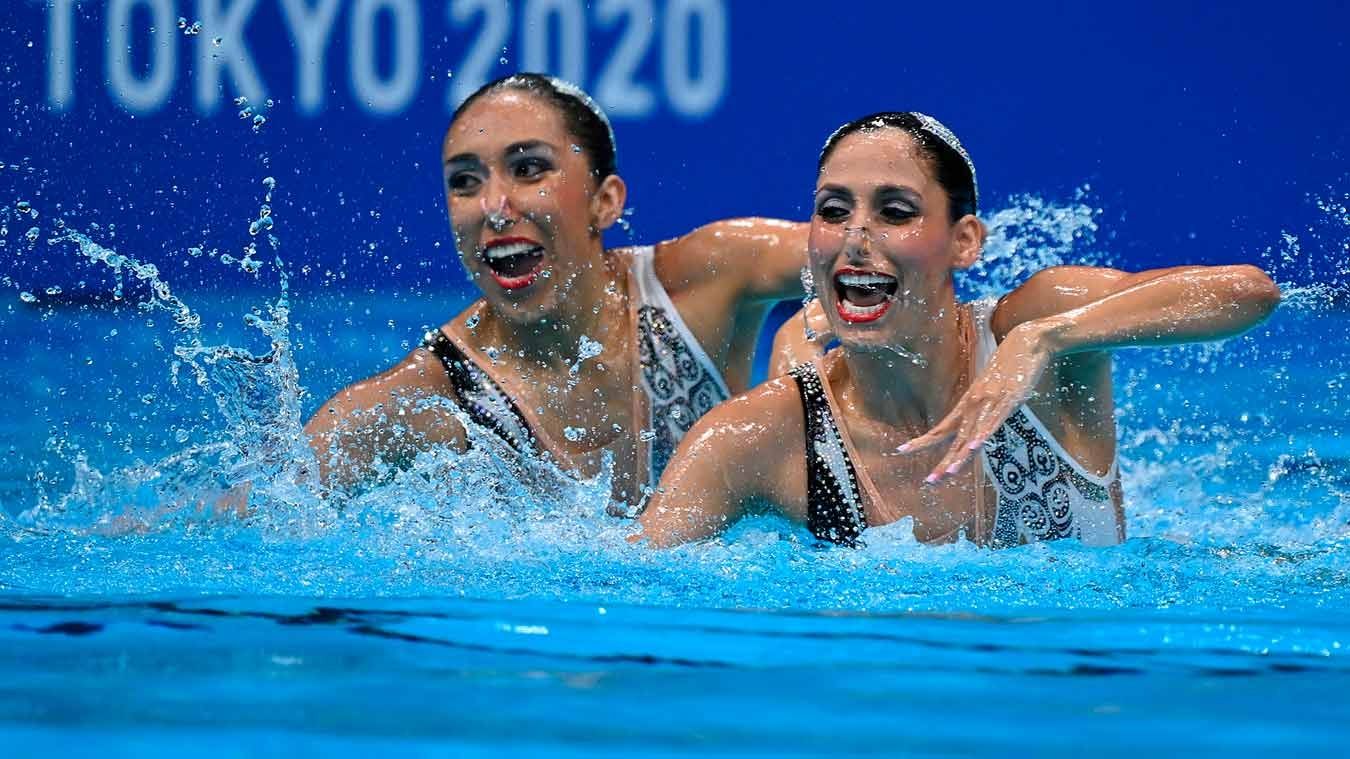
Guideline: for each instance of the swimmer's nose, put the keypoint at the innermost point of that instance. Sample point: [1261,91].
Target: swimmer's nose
[497,212]
[496,200]
[857,240]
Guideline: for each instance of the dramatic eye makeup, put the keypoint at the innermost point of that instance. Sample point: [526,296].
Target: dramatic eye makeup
[833,203]
[528,160]
[897,204]
[464,173]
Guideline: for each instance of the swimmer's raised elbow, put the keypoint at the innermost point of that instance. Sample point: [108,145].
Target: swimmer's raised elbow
[1256,290]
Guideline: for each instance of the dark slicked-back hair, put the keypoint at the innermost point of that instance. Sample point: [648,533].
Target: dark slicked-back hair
[583,118]
[953,170]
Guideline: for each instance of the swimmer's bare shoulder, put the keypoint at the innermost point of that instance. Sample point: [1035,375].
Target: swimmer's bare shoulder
[752,258]
[385,418]
[745,453]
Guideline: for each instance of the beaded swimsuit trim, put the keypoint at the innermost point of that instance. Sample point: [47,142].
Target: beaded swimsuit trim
[834,510]
[479,396]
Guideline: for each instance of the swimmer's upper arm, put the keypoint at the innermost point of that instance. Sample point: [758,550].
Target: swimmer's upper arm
[727,460]
[753,258]
[386,418]
[1058,289]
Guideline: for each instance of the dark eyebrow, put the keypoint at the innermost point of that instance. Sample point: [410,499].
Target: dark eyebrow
[908,193]
[527,145]
[834,188]
[462,158]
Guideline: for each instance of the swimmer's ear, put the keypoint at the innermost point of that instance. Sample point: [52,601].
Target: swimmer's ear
[968,235]
[607,203]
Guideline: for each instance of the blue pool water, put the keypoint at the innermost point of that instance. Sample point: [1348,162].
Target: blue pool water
[471,605]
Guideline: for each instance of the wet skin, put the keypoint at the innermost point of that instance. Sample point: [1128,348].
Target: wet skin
[528,215]
[883,250]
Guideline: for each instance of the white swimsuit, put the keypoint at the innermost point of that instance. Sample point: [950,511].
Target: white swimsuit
[1043,492]
[679,380]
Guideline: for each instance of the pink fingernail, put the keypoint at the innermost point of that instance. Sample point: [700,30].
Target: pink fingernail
[904,448]
[952,469]
[930,479]
[975,446]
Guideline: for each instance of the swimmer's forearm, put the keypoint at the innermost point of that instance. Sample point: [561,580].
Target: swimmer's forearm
[1181,306]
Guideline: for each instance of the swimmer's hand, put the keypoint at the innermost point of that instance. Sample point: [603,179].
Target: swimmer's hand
[801,339]
[1009,379]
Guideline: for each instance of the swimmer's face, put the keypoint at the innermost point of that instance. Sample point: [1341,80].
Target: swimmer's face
[524,205]
[882,244]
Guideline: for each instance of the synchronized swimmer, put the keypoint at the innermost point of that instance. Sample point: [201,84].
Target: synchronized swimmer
[885,426]
[575,352]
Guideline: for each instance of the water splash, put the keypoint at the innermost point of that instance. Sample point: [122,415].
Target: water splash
[1237,495]
[1030,234]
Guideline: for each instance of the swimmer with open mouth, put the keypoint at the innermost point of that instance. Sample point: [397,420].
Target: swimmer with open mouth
[992,420]
[572,352]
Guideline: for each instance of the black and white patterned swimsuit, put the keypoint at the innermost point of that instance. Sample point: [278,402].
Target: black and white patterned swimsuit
[1043,493]
[479,396]
[680,380]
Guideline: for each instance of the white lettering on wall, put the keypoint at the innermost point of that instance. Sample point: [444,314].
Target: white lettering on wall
[61,54]
[631,78]
[617,86]
[534,43]
[141,94]
[311,29]
[232,54]
[483,53]
[694,94]
[390,95]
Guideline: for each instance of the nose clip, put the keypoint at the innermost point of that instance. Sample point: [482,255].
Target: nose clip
[497,220]
[857,241]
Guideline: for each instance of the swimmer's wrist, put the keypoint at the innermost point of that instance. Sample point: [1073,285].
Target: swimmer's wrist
[1053,335]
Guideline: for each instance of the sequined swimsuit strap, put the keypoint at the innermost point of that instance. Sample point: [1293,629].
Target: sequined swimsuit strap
[481,398]
[833,503]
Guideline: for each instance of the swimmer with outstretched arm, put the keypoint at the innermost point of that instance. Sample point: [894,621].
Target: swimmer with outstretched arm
[992,420]
[573,350]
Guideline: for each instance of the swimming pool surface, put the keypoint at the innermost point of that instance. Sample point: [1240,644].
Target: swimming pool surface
[474,606]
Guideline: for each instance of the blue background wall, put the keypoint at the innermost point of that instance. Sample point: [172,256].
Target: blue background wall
[1203,129]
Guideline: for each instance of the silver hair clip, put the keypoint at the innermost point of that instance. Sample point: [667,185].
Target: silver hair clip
[566,87]
[940,131]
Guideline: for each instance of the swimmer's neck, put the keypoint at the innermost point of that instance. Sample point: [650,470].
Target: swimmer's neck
[552,343]
[913,394]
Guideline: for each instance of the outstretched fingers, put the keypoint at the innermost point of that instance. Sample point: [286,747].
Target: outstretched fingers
[941,433]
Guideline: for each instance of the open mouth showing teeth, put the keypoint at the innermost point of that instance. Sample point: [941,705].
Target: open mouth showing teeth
[863,296]
[514,263]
